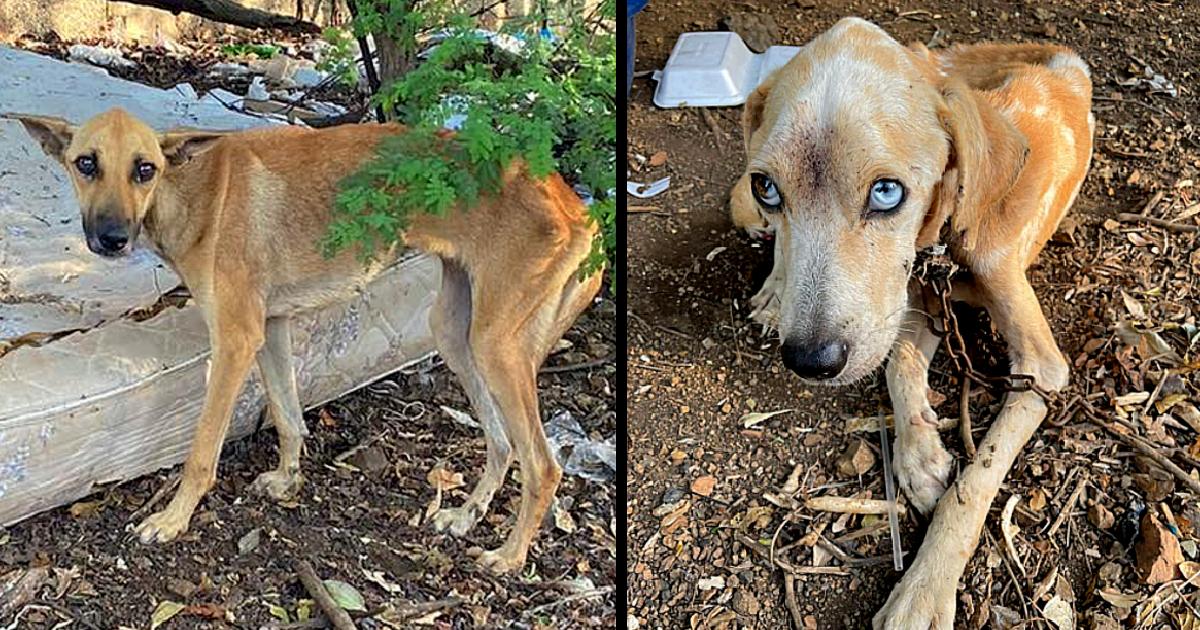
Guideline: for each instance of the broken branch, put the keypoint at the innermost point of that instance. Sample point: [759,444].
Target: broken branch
[336,614]
[843,505]
[1127,217]
[229,12]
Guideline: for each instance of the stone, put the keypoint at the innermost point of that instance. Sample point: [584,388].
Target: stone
[758,30]
[857,459]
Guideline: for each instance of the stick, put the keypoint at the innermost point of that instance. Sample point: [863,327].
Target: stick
[1149,451]
[1067,507]
[843,505]
[337,615]
[964,419]
[789,594]
[19,587]
[586,365]
[158,496]
[230,12]
[1129,217]
[784,565]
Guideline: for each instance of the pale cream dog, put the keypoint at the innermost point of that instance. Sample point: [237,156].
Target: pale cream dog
[860,152]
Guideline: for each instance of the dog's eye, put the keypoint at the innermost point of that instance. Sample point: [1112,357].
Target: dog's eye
[886,196]
[144,172]
[86,165]
[765,192]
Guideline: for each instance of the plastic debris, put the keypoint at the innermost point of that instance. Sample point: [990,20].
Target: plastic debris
[578,454]
[646,191]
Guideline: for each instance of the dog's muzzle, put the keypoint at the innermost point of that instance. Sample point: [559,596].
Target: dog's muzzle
[109,239]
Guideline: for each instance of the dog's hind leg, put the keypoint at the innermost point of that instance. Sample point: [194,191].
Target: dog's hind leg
[922,463]
[279,380]
[451,324]
[236,333]
[508,346]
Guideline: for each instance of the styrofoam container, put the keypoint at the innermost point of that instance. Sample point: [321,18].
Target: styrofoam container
[715,70]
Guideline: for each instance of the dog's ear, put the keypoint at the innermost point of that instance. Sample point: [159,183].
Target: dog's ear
[54,134]
[752,113]
[987,154]
[181,145]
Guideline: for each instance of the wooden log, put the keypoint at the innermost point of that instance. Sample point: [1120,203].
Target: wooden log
[230,12]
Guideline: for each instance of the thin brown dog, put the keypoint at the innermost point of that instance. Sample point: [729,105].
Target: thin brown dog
[239,216]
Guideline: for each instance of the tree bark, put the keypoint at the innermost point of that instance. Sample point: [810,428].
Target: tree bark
[230,12]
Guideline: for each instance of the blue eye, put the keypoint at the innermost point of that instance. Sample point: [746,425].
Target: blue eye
[886,195]
[765,192]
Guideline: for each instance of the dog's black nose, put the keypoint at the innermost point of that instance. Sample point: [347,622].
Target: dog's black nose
[113,240]
[818,360]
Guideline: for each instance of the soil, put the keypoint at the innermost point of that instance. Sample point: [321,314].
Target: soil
[361,517]
[697,365]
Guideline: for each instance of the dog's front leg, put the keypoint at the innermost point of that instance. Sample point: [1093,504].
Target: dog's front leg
[236,332]
[279,380]
[922,463]
[925,597]
[766,301]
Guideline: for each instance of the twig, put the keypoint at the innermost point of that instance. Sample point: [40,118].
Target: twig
[337,615]
[844,505]
[1149,451]
[586,365]
[964,418]
[787,567]
[789,594]
[570,598]
[1128,217]
[642,209]
[166,489]
[1067,507]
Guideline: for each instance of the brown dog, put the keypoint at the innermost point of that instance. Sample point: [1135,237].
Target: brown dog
[239,217]
[860,152]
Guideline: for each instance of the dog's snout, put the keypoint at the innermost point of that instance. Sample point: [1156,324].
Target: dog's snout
[110,238]
[816,359]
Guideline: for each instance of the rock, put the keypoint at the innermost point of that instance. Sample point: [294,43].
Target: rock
[99,56]
[715,582]
[703,486]
[857,459]
[1100,516]
[308,77]
[182,588]
[758,30]
[672,495]
[249,542]
[745,603]
[372,461]
[658,159]
[1158,552]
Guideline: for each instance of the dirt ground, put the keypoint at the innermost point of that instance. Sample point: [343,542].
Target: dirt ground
[697,510]
[361,517]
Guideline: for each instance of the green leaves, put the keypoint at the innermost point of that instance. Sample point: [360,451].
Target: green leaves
[552,104]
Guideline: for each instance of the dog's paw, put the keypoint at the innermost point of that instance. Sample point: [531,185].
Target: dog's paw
[766,305]
[502,560]
[162,527]
[923,599]
[458,521]
[279,485]
[923,467]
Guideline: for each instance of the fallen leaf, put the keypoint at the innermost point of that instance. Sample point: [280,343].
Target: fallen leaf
[1060,613]
[1037,500]
[755,418]
[460,417]
[857,460]
[85,509]
[1010,530]
[278,612]
[1158,552]
[163,613]
[379,578]
[1135,308]
[658,159]
[703,486]
[444,479]
[345,595]
[562,518]
[1119,599]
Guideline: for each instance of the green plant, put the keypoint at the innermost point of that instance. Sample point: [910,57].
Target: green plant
[547,100]
[262,51]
